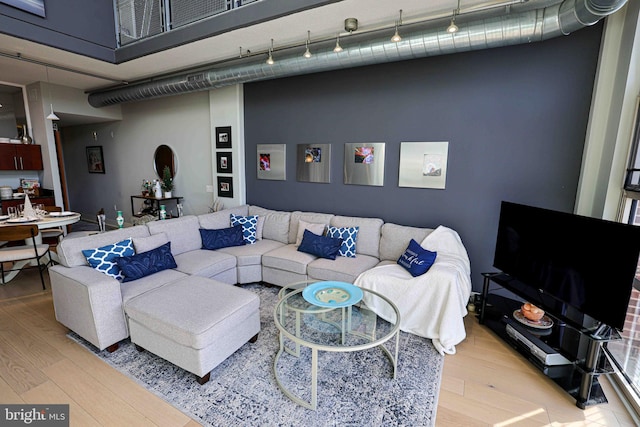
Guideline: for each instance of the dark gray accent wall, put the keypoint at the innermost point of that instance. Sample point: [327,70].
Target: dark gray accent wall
[515,119]
[83,27]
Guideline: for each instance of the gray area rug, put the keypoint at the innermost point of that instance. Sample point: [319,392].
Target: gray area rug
[354,389]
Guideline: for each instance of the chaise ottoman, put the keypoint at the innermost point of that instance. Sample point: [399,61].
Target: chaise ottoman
[194,322]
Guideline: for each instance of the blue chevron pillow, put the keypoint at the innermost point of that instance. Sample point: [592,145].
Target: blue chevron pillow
[146,263]
[104,258]
[249,226]
[349,235]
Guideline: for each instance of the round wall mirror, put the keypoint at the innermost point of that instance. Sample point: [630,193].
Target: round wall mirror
[164,156]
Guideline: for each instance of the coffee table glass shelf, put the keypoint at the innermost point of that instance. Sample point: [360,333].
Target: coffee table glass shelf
[329,325]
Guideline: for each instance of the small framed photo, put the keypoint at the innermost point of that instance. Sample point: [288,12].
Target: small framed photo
[225,186]
[272,161]
[224,162]
[95,160]
[223,137]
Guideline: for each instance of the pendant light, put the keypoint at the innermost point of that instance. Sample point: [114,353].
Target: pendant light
[52,115]
[396,36]
[453,28]
[307,53]
[338,48]
[270,60]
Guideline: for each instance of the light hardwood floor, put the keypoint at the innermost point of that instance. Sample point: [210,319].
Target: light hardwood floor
[485,383]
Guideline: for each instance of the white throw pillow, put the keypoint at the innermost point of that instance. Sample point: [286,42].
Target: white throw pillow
[144,244]
[312,227]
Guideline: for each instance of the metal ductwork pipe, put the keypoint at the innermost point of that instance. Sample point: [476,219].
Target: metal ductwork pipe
[517,28]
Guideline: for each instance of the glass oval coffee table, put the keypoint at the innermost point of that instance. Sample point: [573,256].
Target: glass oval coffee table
[332,329]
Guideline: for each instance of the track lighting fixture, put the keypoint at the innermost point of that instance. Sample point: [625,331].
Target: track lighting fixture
[396,36]
[338,48]
[307,52]
[453,28]
[270,60]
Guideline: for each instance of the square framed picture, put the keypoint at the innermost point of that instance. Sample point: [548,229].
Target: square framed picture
[95,159]
[364,163]
[313,163]
[223,137]
[224,162]
[272,161]
[423,164]
[225,186]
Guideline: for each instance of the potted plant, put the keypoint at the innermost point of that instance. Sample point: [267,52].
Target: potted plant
[167,182]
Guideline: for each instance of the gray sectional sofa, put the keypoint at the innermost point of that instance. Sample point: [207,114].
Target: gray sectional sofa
[94,305]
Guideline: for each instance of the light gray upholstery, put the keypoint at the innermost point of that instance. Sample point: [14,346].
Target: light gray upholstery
[221,219]
[288,258]
[140,286]
[342,269]
[183,233]
[316,218]
[195,330]
[395,239]
[276,223]
[204,263]
[144,244]
[251,254]
[368,240]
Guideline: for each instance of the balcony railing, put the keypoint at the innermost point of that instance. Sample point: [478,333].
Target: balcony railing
[139,19]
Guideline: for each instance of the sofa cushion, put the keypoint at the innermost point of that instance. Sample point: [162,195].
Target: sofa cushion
[322,246]
[137,287]
[288,258]
[317,229]
[183,233]
[222,238]
[249,226]
[368,232]
[313,217]
[220,219]
[342,269]
[252,254]
[416,259]
[144,244]
[104,258]
[395,238]
[70,250]
[276,223]
[202,262]
[146,263]
[349,236]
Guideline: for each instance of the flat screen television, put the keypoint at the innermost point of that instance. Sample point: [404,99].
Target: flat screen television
[586,263]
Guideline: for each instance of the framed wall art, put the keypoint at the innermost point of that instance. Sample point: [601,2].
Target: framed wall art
[313,163]
[272,161]
[95,160]
[364,163]
[423,164]
[223,137]
[225,186]
[224,162]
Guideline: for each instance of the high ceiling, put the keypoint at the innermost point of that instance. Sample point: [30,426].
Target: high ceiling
[323,22]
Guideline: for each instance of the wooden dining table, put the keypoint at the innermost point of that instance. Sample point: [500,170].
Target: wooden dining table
[58,219]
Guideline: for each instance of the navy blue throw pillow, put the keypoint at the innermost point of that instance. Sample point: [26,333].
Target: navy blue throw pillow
[222,238]
[324,247]
[416,259]
[145,263]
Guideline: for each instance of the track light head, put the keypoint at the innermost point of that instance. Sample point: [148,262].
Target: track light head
[452,28]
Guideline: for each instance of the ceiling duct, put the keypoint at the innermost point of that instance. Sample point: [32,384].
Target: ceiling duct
[487,32]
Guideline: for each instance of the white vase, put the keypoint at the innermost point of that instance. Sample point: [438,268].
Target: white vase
[167,194]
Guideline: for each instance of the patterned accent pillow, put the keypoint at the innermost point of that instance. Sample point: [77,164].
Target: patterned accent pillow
[145,263]
[349,235]
[222,237]
[104,258]
[249,226]
[322,246]
[416,259]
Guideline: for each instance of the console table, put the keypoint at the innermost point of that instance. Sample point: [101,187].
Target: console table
[581,345]
[155,203]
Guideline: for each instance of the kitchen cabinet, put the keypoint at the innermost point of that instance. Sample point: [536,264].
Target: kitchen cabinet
[17,157]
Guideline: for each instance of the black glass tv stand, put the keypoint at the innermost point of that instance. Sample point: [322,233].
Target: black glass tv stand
[567,352]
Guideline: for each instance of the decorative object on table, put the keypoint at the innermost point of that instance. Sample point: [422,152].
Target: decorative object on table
[313,163]
[6,192]
[102,220]
[224,162]
[28,211]
[26,139]
[545,321]
[157,189]
[120,219]
[30,186]
[364,163]
[167,181]
[272,161]
[145,187]
[179,208]
[223,137]
[332,294]
[217,205]
[95,160]
[163,212]
[225,186]
[423,164]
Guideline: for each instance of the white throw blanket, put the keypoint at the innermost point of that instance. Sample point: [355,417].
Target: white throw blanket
[431,305]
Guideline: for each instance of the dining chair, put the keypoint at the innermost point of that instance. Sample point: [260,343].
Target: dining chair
[52,236]
[25,250]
